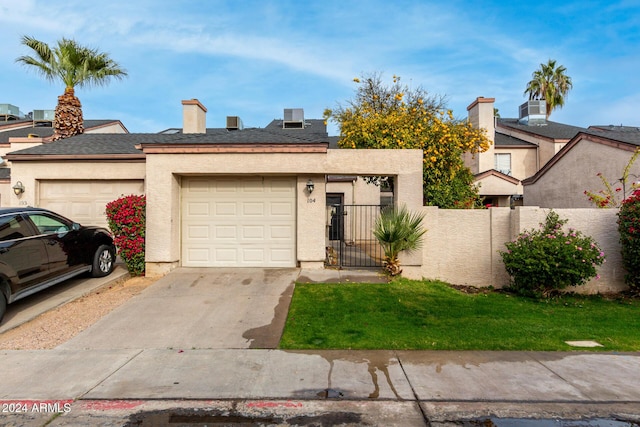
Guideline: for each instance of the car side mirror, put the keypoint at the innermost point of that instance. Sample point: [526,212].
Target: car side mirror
[75,226]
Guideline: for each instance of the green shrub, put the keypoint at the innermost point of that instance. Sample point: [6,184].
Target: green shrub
[127,221]
[629,229]
[549,259]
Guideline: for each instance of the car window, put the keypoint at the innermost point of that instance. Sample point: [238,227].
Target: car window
[47,224]
[13,227]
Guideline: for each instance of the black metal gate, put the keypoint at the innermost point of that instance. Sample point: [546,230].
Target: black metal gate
[350,236]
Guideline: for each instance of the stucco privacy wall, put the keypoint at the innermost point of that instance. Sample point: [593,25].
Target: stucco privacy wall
[164,172]
[461,246]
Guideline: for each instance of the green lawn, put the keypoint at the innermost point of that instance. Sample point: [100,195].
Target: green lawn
[430,315]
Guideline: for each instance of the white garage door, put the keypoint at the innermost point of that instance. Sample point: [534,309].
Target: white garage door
[238,222]
[84,201]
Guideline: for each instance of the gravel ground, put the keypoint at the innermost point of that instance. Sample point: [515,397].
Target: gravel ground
[59,325]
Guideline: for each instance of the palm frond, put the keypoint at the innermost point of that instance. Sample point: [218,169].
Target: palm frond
[397,230]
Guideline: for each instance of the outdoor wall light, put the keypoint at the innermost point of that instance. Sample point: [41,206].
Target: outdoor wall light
[18,188]
[310,186]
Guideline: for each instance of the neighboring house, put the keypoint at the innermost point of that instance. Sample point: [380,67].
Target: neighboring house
[230,196]
[605,150]
[520,147]
[18,133]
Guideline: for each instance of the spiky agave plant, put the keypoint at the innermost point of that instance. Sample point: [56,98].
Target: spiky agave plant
[397,230]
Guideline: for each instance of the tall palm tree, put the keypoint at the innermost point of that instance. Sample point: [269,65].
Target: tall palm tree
[74,65]
[551,84]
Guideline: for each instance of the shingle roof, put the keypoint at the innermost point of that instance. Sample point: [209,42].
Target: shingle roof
[504,140]
[44,131]
[549,129]
[118,143]
[245,136]
[616,128]
[630,135]
[88,144]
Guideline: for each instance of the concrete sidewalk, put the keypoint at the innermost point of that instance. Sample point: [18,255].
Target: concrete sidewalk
[436,385]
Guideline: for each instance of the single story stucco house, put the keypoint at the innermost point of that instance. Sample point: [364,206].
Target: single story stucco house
[229,196]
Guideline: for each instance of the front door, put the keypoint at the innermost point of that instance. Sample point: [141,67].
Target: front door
[335,210]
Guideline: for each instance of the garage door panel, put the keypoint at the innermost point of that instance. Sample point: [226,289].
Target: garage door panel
[84,201]
[225,208]
[197,232]
[253,255]
[226,232]
[225,256]
[252,221]
[282,232]
[278,209]
[253,232]
[198,209]
[280,256]
[281,187]
[253,209]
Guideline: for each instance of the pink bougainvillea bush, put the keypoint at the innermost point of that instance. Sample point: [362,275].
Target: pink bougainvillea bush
[127,221]
[629,229]
[544,261]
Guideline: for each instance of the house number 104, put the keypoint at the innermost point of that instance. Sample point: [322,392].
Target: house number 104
[310,200]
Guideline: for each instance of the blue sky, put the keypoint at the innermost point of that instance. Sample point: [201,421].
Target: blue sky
[255,58]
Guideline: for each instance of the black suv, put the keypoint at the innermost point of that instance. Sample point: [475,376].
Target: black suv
[39,248]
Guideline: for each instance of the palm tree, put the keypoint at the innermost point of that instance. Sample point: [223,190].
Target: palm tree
[74,65]
[397,229]
[551,84]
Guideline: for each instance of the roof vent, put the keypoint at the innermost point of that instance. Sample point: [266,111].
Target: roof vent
[234,123]
[533,112]
[293,118]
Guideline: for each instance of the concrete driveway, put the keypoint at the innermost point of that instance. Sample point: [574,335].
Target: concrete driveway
[198,308]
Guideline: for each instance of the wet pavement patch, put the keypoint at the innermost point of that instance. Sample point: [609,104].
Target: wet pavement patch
[192,417]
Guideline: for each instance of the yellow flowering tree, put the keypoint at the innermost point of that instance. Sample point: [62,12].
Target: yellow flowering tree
[397,116]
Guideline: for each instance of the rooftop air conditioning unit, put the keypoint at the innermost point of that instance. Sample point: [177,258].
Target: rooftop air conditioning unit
[533,112]
[43,115]
[234,123]
[293,118]
[10,110]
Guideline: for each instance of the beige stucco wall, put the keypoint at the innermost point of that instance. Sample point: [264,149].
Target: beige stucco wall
[164,172]
[563,185]
[523,161]
[492,185]
[29,173]
[461,246]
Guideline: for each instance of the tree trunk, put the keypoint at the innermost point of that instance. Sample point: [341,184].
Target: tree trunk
[68,119]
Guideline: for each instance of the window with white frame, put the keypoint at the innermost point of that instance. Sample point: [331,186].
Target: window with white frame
[503,163]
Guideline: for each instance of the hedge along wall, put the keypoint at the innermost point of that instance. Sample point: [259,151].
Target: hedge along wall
[461,246]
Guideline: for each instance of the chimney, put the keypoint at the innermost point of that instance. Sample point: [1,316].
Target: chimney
[481,115]
[193,117]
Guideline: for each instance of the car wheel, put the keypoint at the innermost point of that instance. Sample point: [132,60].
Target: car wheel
[103,261]
[3,305]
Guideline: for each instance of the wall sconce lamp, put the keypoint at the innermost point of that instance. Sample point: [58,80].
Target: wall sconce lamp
[310,186]
[18,189]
